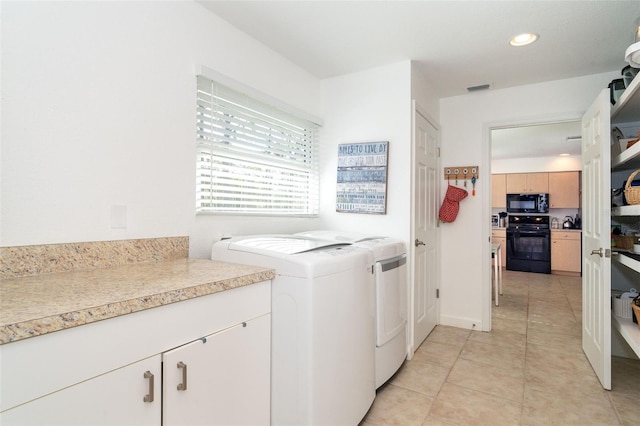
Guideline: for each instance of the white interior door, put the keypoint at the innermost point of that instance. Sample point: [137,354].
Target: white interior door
[425,230]
[596,237]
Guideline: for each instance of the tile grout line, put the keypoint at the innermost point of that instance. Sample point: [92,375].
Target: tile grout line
[435,397]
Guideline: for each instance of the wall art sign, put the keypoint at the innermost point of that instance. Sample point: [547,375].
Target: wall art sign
[362,177]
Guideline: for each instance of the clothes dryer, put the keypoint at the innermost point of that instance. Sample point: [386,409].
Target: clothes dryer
[391,296]
[323,326]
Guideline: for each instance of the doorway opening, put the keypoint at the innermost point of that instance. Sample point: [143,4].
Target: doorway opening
[544,146]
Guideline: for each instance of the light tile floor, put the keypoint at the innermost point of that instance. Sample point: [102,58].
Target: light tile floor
[529,370]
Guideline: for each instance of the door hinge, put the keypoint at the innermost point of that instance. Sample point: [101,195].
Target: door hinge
[438,151]
[437,293]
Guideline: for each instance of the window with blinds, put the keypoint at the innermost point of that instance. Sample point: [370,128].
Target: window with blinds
[253,158]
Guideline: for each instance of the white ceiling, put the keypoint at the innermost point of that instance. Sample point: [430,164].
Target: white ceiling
[544,140]
[455,44]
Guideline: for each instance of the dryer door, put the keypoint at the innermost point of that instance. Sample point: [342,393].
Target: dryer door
[391,298]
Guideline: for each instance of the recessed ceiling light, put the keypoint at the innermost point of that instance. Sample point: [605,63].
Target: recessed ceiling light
[523,39]
[565,155]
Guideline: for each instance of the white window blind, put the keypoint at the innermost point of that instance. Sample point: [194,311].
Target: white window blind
[253,158]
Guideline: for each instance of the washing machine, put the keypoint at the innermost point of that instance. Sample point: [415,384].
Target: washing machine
[391,296]
[322,325]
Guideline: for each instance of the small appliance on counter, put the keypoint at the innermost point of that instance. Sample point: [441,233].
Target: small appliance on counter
[568,223]
[495,220]
[503,219]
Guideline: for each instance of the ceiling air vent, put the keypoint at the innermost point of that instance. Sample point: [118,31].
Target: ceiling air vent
[478,88]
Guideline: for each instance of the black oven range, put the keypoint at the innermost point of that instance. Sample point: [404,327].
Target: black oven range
[529,244]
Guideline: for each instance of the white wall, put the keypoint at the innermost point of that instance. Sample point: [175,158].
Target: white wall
[537,164]
[423,93]
[98,110]
[368,106]
[465,127]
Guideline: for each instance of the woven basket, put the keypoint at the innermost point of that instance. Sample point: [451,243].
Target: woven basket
[636,311]
[623,242]
[632,193]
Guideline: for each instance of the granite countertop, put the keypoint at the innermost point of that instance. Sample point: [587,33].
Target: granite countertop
[39,304]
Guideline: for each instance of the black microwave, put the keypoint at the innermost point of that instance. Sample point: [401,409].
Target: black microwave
[527,203]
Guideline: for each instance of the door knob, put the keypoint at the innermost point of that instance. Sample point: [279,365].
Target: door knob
[606,253]
[598,252]
[419,243]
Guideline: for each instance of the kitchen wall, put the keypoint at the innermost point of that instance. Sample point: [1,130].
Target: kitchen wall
[98,111]
[537,164]
[465,135]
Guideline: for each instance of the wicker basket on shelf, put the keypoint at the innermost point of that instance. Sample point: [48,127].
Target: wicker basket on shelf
[636,310]
[632,193]
[623,242]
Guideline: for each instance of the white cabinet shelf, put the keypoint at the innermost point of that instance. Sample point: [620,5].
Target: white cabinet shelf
[628,260]
[629,331]
[627,109]
[628,159]
[626,211]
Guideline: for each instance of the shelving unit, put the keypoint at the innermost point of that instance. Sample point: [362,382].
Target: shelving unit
[627,110]
[628,259]
[629,158]
[629,331]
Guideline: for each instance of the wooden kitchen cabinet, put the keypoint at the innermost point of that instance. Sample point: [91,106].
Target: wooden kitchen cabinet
[500,236]
[95,373]
[566,252]
[499,191]
[564,190]
[527,183]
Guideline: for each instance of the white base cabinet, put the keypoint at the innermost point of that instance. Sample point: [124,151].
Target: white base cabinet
[219,379]
[94,401]
[123,371]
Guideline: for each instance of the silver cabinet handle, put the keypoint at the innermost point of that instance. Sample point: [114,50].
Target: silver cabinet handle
[419,243]
[183,386]
[149,397]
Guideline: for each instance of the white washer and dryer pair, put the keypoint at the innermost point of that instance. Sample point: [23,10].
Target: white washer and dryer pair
[391,296]
[322,325]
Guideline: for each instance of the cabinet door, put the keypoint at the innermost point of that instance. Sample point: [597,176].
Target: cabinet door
[538,183]
[498,191]
[564,190]
[221,379]
[527,183]
[516,183]
[114,398]
[565,255]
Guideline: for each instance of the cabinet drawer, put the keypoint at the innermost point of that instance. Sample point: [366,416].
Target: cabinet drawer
[560,235]
[499,233]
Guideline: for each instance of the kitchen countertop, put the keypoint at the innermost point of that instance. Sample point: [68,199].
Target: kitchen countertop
[40,304]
